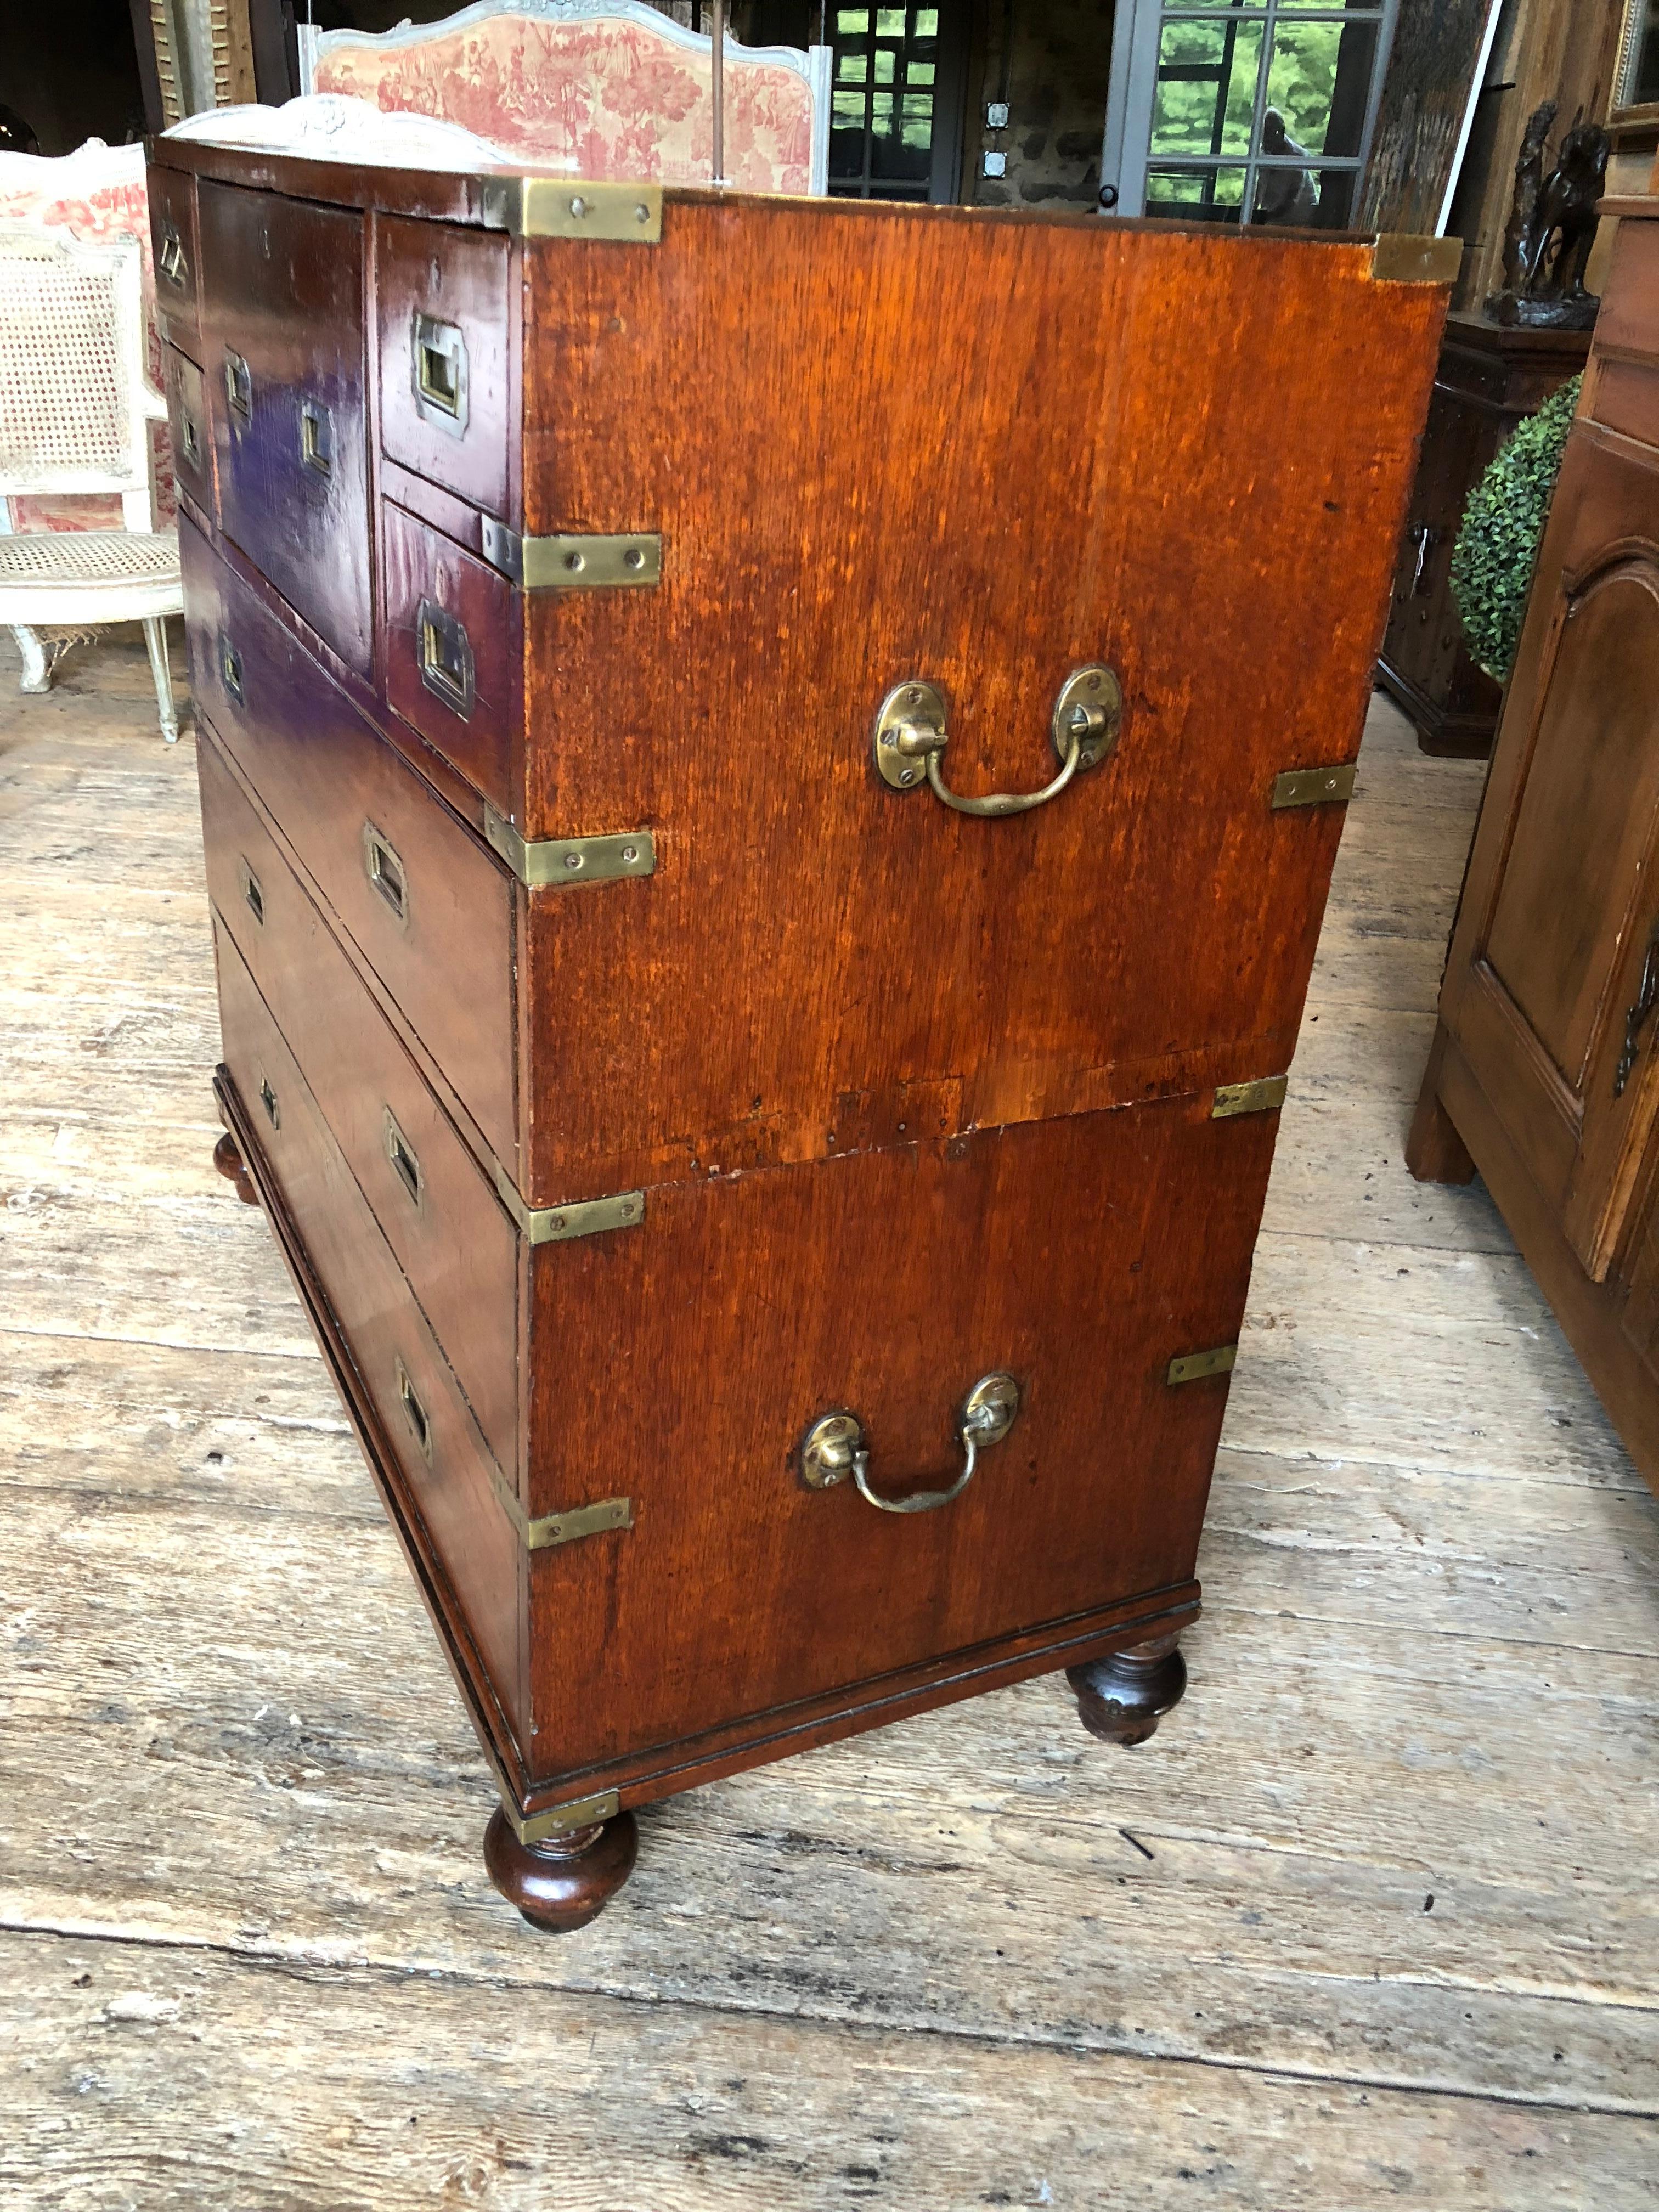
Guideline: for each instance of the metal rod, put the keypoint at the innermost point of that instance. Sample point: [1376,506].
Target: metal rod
[719,36]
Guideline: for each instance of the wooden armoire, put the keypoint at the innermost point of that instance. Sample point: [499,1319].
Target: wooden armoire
[1544,1074]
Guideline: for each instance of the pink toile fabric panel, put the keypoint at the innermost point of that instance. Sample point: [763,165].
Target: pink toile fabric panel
[36,194]
[601,99]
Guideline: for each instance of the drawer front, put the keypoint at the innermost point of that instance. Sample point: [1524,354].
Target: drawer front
[436,1210]
[283,333]
[173,248]
[444,1467]
[1629,295]
[453,669]
[444,358]
[187,419]
[429,908]
[683,1361]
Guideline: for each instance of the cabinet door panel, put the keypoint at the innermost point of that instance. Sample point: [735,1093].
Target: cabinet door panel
[1553,993]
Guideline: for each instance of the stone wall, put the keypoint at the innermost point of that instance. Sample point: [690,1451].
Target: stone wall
[1058,56]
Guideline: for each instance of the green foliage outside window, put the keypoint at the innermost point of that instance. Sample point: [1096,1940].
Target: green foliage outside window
[1301,83]
[1497,548]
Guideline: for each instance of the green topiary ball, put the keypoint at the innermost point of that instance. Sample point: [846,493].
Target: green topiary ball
[1497,548]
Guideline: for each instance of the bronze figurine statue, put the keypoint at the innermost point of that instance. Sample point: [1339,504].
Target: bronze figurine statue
[1551,228]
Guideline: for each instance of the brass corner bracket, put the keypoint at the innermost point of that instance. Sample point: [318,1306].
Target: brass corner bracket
[1398,258]
[568,206]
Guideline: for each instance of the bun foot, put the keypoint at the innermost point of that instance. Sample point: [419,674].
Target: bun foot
[1123,1698]
[229,1161]
[565,1882]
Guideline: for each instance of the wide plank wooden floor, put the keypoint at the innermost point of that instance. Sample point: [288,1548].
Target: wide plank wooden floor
[1372,1921]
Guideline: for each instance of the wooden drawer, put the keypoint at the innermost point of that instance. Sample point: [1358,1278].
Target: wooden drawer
[445,360]
[453,664]
[429,908]
[187,419]
[174,251]
[436,1209]
[427,1421]
[284,363]
[684,1359]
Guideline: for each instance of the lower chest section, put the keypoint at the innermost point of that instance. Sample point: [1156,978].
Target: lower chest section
[683,1471]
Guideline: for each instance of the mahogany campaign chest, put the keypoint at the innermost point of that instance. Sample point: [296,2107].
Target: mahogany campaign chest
[778,1212]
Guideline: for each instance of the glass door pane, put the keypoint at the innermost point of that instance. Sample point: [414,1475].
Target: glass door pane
[893,126]
[1244,111]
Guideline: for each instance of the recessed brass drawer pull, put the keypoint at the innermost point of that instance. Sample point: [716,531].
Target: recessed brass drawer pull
[405,1165]
[316,437]
[238,385]
[230,669]
[268,1100]
[252,890]
[170,261]
[191,440]
[385,871]
[834,1447]
[438,364]
[415,1413]
[445,656]
[911,737]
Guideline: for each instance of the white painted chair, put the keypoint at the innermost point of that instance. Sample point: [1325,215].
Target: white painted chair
[75,411]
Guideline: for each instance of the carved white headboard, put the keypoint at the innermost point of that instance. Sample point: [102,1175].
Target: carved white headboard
[599,88]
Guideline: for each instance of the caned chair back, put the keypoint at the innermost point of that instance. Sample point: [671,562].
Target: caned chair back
[73,397]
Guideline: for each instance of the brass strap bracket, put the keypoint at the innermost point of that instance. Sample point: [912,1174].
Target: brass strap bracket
[1194,1365]
[550,1528]
[558,1224]
[1313,786]
[567,207]
[560,863]
[1262,1097]
[588,561]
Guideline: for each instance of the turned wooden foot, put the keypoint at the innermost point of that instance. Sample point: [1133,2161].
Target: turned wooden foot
[566,1881]
[1434,1151]
[229,1161]
[1123,1698]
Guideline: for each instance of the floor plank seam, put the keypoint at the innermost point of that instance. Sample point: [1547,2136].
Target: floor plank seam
[980,2039]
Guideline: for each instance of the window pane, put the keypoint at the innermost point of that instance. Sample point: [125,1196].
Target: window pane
[1303,199]
[928,23]
[852,22]
[1317,83]
[901,136]
[852,69]
[1196,195]
[890,22]
[1206,89]
[884,66]
[918,73]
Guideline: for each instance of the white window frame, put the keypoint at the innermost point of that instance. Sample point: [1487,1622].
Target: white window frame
[1125,155]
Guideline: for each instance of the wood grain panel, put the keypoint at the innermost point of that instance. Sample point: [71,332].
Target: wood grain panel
[684,1361]
[446,959]
[284,281]
[459,278]
[870,502]
[176,258]
[190,429]
[481,734]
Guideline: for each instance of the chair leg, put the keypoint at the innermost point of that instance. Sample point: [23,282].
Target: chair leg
[155,637]
[37,669]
